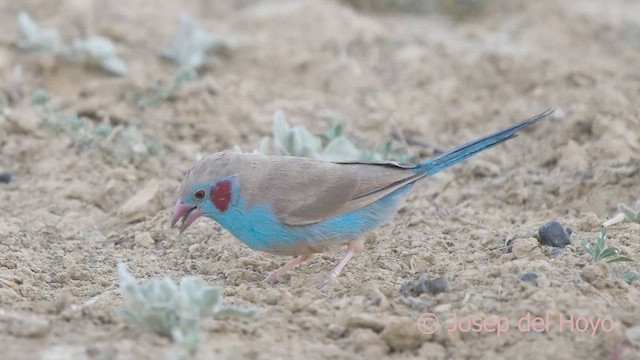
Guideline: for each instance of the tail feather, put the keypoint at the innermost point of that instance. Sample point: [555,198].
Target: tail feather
[471,148]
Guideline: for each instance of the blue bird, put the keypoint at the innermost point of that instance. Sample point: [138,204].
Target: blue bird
[301,206]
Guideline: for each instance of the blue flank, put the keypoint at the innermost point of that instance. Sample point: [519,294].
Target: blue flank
[259,228]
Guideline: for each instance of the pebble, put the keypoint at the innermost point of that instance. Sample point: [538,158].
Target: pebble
[552,233]
[6,177]
[529,276]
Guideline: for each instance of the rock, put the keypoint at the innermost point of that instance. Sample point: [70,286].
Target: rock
[421,285]
[142,203]
[365,321]
[144,240]
[403,334]
[552,233]
[438,285]
[24,325]
[6,177]
[529,276]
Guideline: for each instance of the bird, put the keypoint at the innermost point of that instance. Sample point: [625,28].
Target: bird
[299,206]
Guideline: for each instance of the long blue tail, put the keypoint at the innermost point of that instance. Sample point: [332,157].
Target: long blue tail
[471,148]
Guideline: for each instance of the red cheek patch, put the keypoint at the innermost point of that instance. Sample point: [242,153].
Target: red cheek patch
[221,195]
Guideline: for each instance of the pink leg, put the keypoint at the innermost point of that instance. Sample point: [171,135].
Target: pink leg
[273,276]
[336,270]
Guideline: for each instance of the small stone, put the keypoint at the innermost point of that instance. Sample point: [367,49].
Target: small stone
[554,234]
[6,177]
[529,276]
[438,285]
[144,240]
[365,321]
[403,334]
[421,285]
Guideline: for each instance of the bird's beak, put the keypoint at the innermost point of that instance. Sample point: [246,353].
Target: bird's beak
[187,213]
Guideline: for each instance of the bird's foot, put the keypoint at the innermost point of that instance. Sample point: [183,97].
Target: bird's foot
[336,270]
[274,276]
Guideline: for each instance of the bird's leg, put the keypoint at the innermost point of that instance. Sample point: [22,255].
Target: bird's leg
[273,276]
[353,248]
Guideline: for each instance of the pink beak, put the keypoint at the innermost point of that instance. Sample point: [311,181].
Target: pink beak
[187,213]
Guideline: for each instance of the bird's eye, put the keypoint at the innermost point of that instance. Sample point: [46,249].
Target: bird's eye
[199,195]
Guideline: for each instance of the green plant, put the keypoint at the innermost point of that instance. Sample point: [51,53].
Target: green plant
[174,311]
[36,38]
[164,92]
[630,214]
[626,214]
[94,50]
[600,251]
[192,45]
[115,144]
[333,145]
[630,277]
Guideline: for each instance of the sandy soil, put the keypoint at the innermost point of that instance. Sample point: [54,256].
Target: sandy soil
[65,222]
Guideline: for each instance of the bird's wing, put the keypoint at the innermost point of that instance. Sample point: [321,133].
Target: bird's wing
[303,191]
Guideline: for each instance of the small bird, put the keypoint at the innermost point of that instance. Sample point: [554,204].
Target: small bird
[299,206]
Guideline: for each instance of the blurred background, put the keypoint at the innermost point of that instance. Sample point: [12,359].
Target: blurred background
[105,105]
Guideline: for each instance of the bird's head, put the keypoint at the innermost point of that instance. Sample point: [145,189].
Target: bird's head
[208,189]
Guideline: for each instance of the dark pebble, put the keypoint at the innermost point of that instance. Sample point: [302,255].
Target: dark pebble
[6,177]
[421,285]
[530,276]
[554,234]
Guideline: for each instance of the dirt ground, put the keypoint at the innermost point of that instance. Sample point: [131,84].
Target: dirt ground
[437,76]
